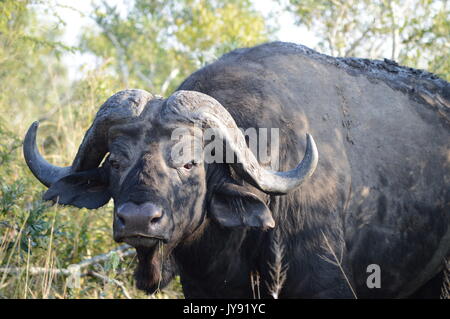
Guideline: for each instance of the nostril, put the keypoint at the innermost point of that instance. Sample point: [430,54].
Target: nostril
[155,217]
[155,220]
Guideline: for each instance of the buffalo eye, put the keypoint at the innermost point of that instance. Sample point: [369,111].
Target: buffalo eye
[114,164]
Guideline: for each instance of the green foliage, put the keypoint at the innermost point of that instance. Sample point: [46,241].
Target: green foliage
[10,142]
[216,27]
[413,32]
[29,65]
[156,44]
[10,193]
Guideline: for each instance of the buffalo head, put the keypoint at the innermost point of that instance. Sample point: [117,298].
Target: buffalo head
[127,155]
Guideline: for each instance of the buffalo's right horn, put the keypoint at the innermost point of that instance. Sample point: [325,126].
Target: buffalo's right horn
[118,108]
[45,172]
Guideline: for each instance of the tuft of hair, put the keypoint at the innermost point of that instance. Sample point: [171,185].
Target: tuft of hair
[277,269]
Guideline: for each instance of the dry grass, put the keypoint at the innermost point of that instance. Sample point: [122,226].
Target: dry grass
[337,261]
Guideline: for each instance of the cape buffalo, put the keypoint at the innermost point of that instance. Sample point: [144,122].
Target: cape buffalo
[365,214]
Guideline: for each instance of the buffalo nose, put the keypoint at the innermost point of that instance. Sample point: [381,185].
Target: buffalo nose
[136,219]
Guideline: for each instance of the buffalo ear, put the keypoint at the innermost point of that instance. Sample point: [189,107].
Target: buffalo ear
[233,205]
[87,189]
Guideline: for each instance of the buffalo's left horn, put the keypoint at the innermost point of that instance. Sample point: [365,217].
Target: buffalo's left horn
[198,107]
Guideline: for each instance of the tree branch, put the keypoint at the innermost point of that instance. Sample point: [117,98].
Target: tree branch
[358,41]
[112,281]
[122,251]
[173,74]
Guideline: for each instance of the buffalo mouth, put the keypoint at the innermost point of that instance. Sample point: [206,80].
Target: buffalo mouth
[141,240]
